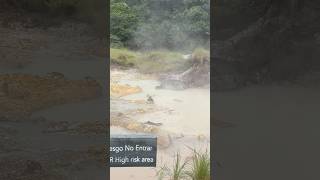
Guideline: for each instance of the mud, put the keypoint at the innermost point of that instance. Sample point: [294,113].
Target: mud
[171,117]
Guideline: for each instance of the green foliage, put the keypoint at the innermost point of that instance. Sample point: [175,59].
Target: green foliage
[178,169]
[200,168]
[196,20]
[153,24]
[177,172]
[149,62]
[156,35]
[115,41]
[197,169]
[124,57]
[123,21]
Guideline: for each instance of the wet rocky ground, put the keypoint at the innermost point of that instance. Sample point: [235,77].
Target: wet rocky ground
[139,107]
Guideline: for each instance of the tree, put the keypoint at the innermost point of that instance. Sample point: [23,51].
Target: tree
[154,24]
[123,21]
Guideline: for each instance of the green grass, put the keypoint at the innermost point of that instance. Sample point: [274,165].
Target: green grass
[178,169]
[149,62]
[197,169]
[177,172]
[124,58]
[200,168]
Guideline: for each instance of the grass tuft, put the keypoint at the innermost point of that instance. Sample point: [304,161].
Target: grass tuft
[200,167]
[197,169]
[177,172]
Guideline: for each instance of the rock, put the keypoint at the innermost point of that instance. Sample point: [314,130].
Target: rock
[153,123]
[171,83]
[150,99]
[196,76]
[164,139]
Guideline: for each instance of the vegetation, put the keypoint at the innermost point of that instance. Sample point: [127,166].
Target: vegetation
[198,169]
[124,57]
[147,25]
[149,62]
[177,172]
[148,35]
[123,22]
[200,55]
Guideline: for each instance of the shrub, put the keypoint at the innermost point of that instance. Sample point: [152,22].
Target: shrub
[123,57]
[200,55]
[149,62]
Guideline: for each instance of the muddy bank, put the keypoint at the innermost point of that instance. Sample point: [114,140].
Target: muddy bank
[170,115]
[169,107]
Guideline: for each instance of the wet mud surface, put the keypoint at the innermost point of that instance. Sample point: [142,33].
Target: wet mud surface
[179,118]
